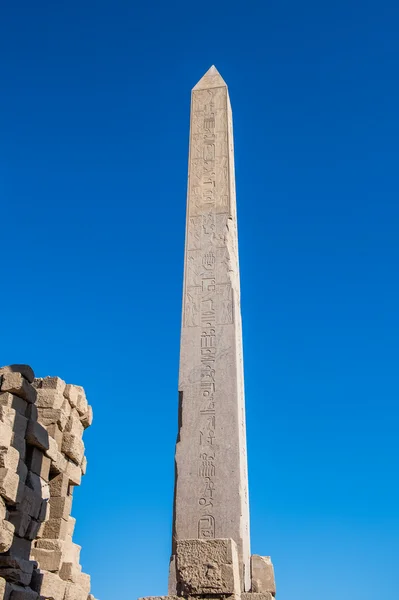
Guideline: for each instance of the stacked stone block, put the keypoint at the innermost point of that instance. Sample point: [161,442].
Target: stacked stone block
[41,461]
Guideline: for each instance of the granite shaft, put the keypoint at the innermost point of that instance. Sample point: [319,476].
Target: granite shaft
[211,487]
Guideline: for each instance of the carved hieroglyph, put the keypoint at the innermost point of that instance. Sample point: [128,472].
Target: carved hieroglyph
[211,494]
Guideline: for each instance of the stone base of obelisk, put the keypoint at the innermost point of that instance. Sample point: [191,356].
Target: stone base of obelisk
[209,570]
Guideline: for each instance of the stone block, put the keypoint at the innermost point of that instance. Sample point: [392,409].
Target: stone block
[66,408]
[74,472]
[20,424]
[49,560]
[5,589]
[6,434]
[9,458]
[84,582]
[25,370]
[59,485]
[48,585]
[6,535]
[30,502]
[38,463]
[83,465]
[18,592]
[50,383]
[55,529]
[71,551]
[55,432]
[74,592]
[71,393]
[20,547]
[262,574]
[81,404]
[16,384]
[87,418]
[19,444]
[3,509]
[74,425]
[50,416]
[16,570]
[44,512]
[32,412]
[33,530]
[60,507]
[9,485]
[70,572]
[207,567]
[38,485]
[15,402]
[71,525]
[36,435]
[22,471]
[73,447]
[51,544]
[20,521]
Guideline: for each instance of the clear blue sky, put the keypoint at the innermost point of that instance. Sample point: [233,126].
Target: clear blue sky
[94,115]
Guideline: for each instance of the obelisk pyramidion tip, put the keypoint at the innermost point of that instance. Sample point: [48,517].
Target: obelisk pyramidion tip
[211,79]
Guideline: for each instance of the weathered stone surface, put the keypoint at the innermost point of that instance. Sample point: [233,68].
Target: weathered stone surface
[74,592]
[70,572]
[49,585]
[16,570]
[20,547]
[211,497]
[33,529]
[87,418]
[73,447]
[71,393]
[9,458]
[9,485]
[30,502]
[262,574]
[19,444]
[6,535]
[257,596]
[51,383]
[19,592]
[15,402]
[207,567]
[39,463]
[16,384]
[36,435]
[60,507]
[6,435]
[38,485]
[25,370]
[59,485]
[20,521]
[74,425]
[49,560]
[74,472]
[55,528]
[50,416]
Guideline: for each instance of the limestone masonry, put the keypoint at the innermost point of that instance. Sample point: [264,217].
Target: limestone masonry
[41,461]
[210,545]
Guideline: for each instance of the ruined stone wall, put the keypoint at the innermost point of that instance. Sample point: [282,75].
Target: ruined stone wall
[41,461]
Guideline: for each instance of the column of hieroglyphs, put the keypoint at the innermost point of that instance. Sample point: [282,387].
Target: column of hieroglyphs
[42,460]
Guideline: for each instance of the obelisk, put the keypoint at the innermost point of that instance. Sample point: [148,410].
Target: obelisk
[210,548]
[211,488]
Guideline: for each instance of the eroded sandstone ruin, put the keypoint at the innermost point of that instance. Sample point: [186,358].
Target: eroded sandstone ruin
[41,461]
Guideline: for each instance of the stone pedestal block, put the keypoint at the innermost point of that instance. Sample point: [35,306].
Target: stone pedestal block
[207,567]
[262,575]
